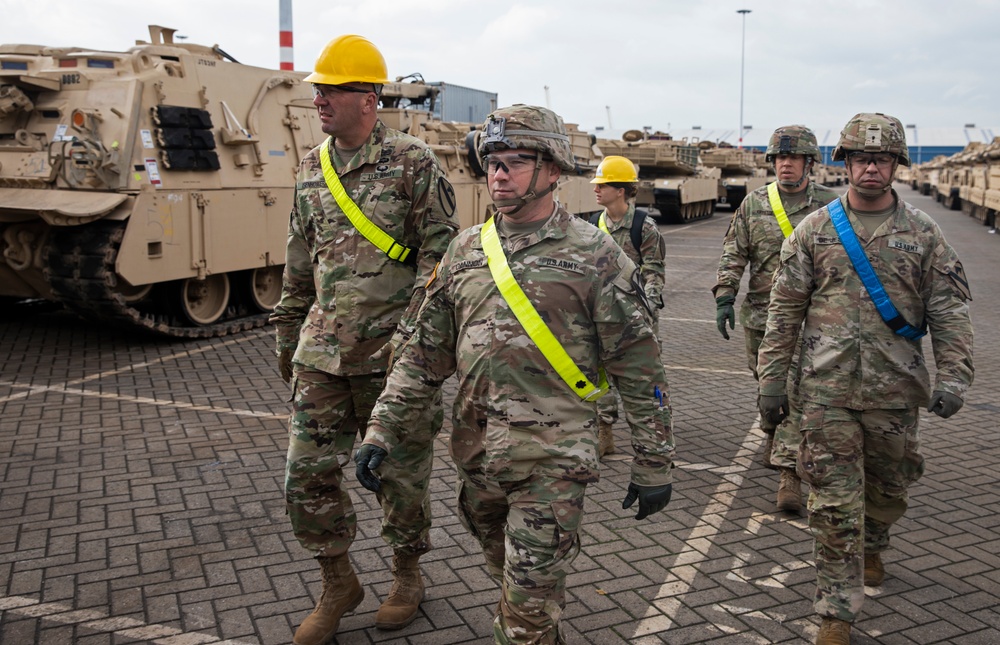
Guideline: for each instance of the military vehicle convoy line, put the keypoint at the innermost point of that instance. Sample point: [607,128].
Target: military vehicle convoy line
[741,171]
[151,188]
[968,181]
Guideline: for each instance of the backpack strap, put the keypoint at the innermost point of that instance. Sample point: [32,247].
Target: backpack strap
[636,231]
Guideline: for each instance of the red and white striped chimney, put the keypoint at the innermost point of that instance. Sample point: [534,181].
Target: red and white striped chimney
[287,52]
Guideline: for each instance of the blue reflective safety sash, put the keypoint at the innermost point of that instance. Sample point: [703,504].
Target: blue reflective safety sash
[873,285]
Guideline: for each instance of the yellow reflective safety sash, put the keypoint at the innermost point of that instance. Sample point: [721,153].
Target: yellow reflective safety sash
[528,316]
[778,208]
[365,226]
[601,224]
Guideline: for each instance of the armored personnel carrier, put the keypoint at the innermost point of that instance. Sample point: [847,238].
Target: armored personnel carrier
[151,188]
[671,179]
[740,172]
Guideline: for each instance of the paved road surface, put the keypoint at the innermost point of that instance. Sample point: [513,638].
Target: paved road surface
[141,498]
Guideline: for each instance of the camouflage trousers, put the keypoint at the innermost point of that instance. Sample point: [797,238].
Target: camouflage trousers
[787,437]
[859,465]
[327,413]
[529,533]
[607,407]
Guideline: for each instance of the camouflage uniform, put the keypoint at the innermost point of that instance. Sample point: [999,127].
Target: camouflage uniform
[341,302]
[861,383]
[650,258]
[524,443]
[754,237]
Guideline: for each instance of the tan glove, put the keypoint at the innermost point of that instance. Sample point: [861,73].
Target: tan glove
[285,364]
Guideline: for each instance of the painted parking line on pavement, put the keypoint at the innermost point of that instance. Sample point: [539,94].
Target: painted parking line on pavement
[141,400]
[102,623]
[685,566]
[136,366]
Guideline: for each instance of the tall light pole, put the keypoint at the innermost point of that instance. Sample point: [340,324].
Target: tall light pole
[743,49]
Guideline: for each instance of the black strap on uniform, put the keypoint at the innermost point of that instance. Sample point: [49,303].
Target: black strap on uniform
[635,232]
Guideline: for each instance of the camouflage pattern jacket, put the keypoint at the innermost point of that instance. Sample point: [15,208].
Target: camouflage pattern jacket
[513,414]
[754,237]
[650,256]
[342,297]
[850,357]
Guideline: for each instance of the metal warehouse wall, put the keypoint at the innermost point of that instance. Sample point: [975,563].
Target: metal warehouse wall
[465,104]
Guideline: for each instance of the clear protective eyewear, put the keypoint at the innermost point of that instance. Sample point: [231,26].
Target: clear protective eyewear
[865,159]
[327,92]
[511,163]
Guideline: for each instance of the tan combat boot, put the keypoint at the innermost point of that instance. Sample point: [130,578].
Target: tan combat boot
[605,439]
[874,570]
[341,593]
[789,491]
[400,608]
[834,631]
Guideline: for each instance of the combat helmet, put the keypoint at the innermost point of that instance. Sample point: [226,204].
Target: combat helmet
[349,59]
[527,127]
[793,140]
[530,127]
[873,132]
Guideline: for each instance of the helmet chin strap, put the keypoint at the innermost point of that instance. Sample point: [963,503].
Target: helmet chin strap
[795,184]
[528,197]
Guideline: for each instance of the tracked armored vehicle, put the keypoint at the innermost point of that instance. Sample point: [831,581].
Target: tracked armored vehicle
[740,172]
[151,188]
[671,179]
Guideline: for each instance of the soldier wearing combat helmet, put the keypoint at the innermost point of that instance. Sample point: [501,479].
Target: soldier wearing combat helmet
[616,184]
[533,334]
[866,277]
[758,228]
[371,217]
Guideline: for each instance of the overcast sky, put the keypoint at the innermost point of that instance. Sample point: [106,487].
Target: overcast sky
[659,63]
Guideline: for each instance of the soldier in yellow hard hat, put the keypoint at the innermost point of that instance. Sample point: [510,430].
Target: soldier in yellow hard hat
[372,215]
[866,277]
[616,185]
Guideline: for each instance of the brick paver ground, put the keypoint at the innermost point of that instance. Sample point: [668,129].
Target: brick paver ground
[141,498]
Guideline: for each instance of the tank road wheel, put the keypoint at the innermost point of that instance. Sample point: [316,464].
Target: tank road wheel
[265,287]
[130,293]
[202,302]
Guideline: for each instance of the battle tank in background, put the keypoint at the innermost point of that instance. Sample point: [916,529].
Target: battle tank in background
[671,178]
[741,173]
[829,175]
[151,188]
[956,172]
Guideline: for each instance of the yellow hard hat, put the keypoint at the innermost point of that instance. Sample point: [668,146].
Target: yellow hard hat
[615,170]
[349,59]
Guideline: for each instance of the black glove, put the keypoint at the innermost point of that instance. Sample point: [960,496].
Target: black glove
[773,408]
[652,499]
[369,458]
[723,312]
[285,364]
[944,404]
